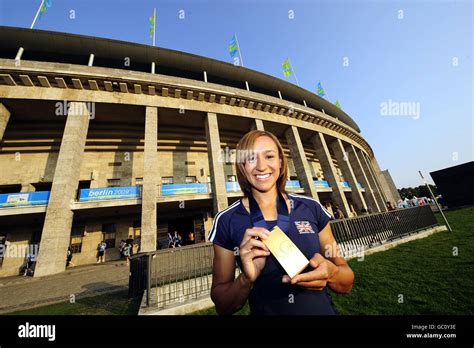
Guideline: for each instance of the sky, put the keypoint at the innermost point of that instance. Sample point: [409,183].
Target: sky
[403,70]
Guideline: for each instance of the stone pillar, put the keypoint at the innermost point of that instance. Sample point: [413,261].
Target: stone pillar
[4,117]
[56,233]
[301,163]
[329,170]
[216,164]
[258,125]
[150,181]
[373,182]
[377,175]
[360,173]
[390,195]
[345,165]
[392,188]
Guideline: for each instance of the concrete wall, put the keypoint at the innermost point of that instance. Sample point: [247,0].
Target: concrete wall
[391,189]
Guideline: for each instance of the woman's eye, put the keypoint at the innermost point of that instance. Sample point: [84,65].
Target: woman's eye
[270,157]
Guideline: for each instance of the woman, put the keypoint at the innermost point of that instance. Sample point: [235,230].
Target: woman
[238,231]
[127,252]
[69,254]
[101,251]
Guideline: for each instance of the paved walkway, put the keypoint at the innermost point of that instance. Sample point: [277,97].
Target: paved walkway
[18,293]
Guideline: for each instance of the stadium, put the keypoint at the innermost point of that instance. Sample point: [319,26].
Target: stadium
[109,140]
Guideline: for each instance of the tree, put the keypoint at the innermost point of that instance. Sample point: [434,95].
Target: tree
[420,191]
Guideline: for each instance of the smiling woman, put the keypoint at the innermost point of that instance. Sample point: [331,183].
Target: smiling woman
[239,233]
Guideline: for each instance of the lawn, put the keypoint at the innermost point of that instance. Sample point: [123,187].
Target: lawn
[116,303]
[434,275]
[420,277]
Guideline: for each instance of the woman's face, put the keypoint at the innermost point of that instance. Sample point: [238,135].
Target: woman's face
[263,166]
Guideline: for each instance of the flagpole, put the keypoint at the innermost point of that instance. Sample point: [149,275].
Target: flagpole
[293,71]
[37,14]
[436,202]
[154,25]
[238,47]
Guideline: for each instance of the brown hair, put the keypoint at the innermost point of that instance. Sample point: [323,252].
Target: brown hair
[244,148]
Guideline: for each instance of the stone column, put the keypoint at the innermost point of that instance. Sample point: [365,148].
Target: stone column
[56,233]
[345,165]
[258,125]
[360,173]
[150,181]
[384,183]
[301,163]
[377,175]
[4,118]
[216,163]
[329,170]
[373,182]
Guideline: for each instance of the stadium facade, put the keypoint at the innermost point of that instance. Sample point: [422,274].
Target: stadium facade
[106,140]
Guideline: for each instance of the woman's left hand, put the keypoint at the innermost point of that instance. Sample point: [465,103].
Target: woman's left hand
[316,279]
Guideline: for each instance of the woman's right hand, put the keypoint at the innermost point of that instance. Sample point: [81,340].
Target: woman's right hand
[253,252]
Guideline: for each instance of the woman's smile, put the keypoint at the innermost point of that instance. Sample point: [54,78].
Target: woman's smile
[263,177]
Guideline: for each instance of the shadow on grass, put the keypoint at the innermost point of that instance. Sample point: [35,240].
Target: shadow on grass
[116,303]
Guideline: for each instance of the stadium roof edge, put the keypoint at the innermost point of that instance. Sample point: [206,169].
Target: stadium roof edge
[42,44]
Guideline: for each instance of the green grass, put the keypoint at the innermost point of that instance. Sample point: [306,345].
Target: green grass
[116,303]
[425,272]
[431,279]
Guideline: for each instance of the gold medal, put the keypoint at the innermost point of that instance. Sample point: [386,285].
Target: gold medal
[286,252]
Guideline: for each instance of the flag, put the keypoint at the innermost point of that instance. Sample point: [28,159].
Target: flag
[286,68]
[338,104]
[152,25]
[44,7]
[320,90]
[233,48]
[304,227]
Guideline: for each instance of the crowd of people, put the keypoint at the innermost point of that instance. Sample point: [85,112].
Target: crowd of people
[176,241]
[401,204]
[418,201]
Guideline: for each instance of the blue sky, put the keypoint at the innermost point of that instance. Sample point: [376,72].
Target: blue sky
[417,52]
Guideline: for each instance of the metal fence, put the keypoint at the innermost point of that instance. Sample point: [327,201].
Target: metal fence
[181,274]
[366,231]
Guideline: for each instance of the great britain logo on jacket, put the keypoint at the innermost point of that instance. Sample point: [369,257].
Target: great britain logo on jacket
[303,227]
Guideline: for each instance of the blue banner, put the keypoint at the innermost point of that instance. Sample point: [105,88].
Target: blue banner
[23,198]
[293,184]
[232,186]
[104,193]
[183,189]
[359,185]
[321,183]
[345,184]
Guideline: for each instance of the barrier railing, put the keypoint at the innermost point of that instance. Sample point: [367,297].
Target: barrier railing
[177,275]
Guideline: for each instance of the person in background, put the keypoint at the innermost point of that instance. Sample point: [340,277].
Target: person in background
[30,260]
[338,214]
[101,251]
[202,233]
[170,241]
[127,250]
[177,239]
[191,237]
[390,206]
[69,253]
[122,245]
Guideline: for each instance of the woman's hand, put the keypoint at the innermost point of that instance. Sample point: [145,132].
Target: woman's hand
[253,252]
[316,279]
